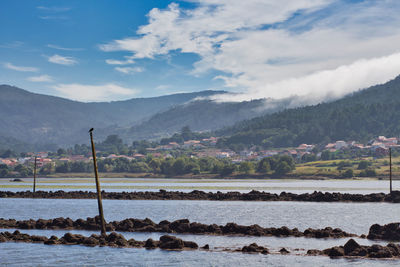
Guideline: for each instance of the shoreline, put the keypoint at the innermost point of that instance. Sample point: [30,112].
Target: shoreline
[112,175]
[218,196]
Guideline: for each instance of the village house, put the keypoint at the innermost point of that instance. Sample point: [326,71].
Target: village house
[305,147]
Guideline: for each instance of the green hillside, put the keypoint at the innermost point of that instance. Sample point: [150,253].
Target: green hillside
[359,116]
[42,119]
[204,115]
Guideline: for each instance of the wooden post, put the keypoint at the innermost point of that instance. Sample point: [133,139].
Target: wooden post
[34,175]
[102,222]
[390,168]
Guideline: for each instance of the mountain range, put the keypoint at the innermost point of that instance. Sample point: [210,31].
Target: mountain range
[30,118]
[27,118]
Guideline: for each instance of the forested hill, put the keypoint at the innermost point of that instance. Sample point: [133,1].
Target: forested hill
[359,116]
[204,115]
[36,118]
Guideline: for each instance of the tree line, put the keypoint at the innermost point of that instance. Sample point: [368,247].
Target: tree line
[170,166]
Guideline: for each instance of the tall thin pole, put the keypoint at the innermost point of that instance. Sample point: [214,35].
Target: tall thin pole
[390,168]
[34,175]
[102,223]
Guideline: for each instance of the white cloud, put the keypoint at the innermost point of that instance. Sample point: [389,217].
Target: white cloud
[163,87]
[53,9]
[259,50]
[41,78]
[67,61]
[94,93]
[129,70]
[119,62]
[64,48]
[335,83]
[20,68]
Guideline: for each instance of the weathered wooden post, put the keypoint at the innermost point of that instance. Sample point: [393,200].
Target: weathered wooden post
[34,175]
[390,168]
[102,222]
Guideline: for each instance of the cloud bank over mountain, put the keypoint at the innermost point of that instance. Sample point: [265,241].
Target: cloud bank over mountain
[316,49]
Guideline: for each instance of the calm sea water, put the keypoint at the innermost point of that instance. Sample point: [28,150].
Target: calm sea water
[351,217]
[186,185]
[17,254]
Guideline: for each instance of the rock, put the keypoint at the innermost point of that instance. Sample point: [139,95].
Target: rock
[50,242]
[40,239]
[71,238]
[314,252]
[284,251]
[91,241]
[336,252]
[395,249]
[167,238]
[254,248]
[174,244]
[350,246]
[206,246]
[190,244]
[3,239]
[150,243]
[389,231]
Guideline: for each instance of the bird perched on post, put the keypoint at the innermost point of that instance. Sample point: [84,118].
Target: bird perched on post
[91,130]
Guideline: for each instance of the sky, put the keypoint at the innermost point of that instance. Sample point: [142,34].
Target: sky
[98,50]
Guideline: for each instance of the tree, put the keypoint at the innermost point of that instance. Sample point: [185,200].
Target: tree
[227,169]
[155,165]
[47,169]
[246,167]
[282,168]
[4,170]
[186,133]
[61,152]
[348,173]
[326,155]
[263,166]
[179,166]
[362,165]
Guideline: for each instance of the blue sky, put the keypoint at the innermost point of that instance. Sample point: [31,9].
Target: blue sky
[112,50]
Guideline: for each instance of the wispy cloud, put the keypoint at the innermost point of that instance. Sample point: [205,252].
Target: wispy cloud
[64,48]
[94,93]
[268,49]
[129,70]
[163,87]
[53,9]
[54,17]
[15,44]
[20,68]
[119,62]
[67,61]
[53,12]
[41,78]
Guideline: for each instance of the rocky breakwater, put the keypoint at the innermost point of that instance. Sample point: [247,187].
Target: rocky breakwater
[390,232]
[112,240]
[183,226]
[201,195]
[353,249]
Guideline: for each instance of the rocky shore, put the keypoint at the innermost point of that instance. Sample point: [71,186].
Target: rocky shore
[111,240]
[353,249]
[183,226]
[390,232]
[219,196]
[166,242]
